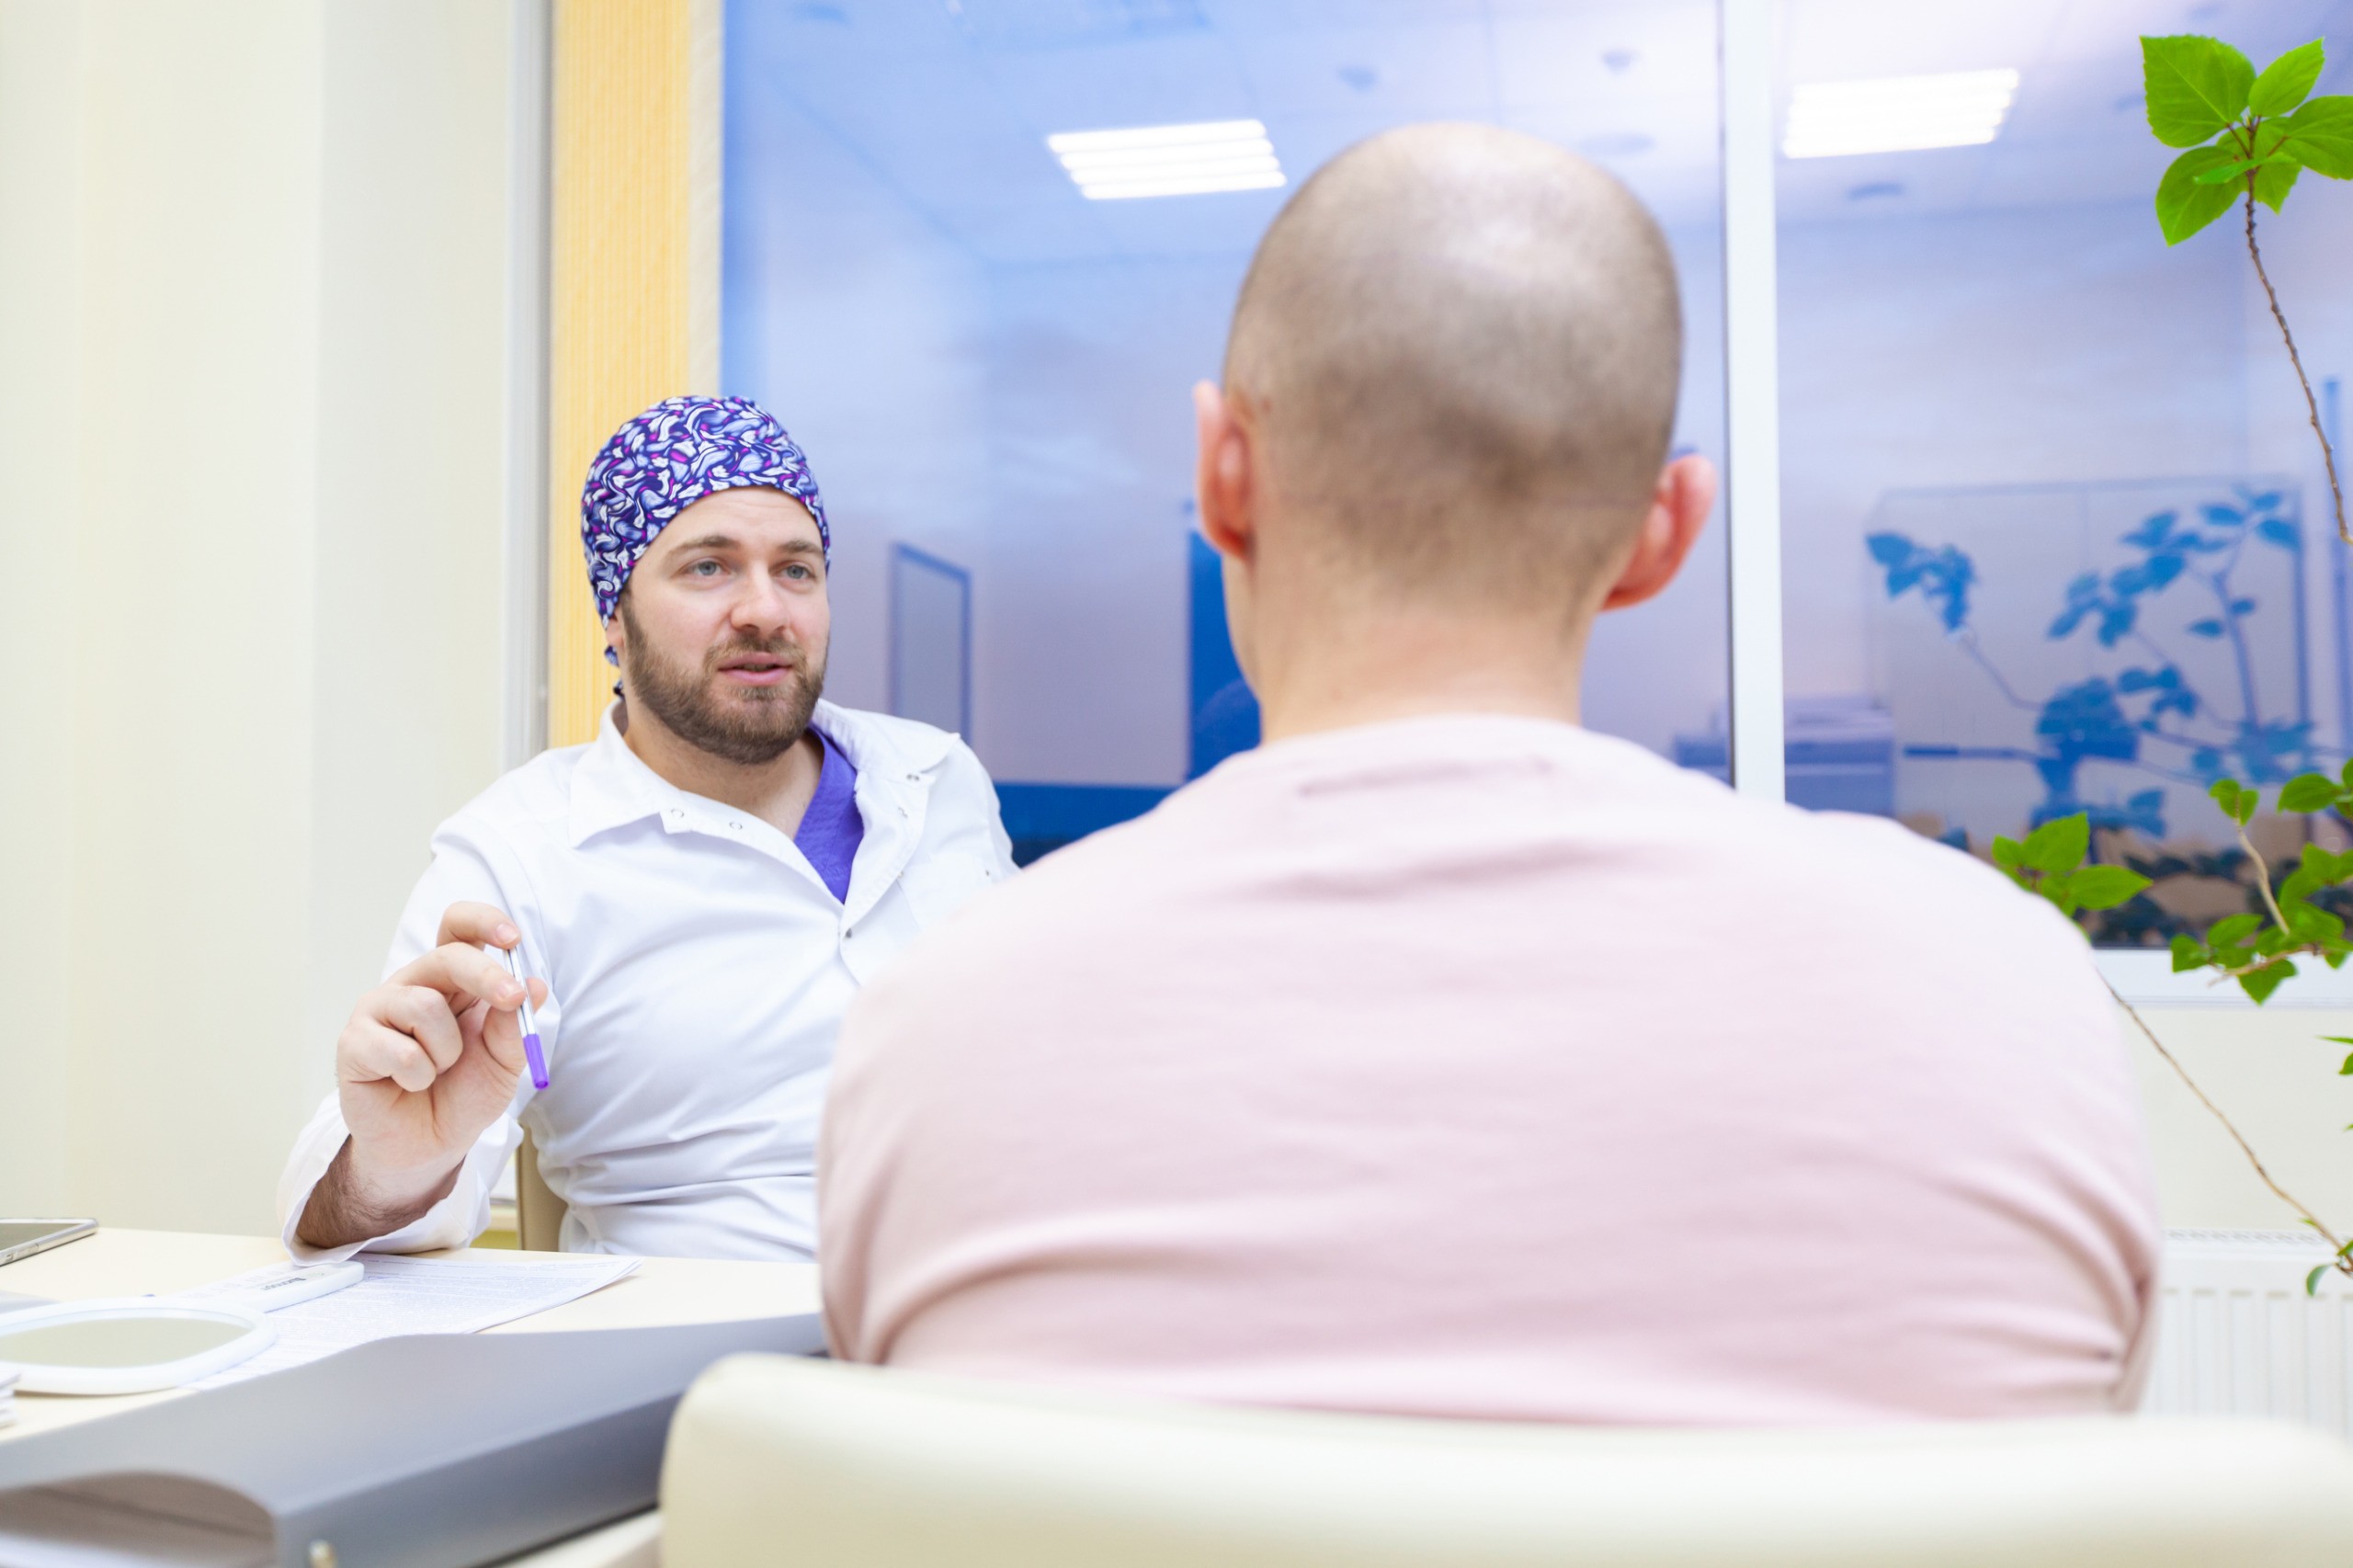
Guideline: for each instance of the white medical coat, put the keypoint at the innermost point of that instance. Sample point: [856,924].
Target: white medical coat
[698,971]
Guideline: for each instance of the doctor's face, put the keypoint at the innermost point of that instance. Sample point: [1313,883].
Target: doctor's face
[722,629]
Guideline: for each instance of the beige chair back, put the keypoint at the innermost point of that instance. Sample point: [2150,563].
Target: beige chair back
[539,1212]
[814,1464]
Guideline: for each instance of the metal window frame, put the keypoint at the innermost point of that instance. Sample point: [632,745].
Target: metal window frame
[1752,395]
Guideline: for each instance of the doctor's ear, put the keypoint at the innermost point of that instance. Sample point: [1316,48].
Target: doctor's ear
[617,629]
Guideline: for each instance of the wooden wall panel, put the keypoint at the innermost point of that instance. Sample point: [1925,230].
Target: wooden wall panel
[634,286]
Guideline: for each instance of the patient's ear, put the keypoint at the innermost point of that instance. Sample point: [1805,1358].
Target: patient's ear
[1221,480]
[1678,512]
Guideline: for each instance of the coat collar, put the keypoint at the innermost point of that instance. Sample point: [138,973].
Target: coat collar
[613,787]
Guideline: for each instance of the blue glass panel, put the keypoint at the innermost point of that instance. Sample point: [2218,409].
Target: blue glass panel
[2054,516]
[988,359]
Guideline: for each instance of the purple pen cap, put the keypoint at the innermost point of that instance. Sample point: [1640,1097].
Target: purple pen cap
[534,1057]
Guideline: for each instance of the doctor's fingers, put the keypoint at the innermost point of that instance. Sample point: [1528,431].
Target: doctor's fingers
[463,973]
[467,921]
[501,1033]
[371,1052]
[422,1014]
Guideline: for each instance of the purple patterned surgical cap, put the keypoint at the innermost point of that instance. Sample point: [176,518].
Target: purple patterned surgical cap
[669,457]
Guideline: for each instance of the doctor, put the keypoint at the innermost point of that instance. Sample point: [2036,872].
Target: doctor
[704,888]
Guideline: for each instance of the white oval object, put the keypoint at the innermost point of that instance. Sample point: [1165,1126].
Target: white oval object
[128,1343]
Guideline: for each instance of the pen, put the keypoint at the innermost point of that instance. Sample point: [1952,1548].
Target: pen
[532,1054]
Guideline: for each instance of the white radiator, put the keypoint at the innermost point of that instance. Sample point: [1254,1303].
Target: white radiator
[2238,1336]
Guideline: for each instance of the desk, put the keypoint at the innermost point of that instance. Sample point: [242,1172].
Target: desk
[116,1262]
[137,1263]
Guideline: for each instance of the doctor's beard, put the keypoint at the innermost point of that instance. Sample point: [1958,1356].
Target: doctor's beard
[750,725]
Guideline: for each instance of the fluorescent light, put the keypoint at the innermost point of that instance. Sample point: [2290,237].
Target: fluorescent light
[1898,114]
[1168,160]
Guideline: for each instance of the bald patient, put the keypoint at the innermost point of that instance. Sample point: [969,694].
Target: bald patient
[1441,1057]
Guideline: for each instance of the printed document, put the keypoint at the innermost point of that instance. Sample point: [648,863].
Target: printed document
[411,1295]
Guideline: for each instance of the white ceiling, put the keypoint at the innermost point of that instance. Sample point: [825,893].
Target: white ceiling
[949,101]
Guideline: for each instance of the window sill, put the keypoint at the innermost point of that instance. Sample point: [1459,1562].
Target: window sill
[2146,978]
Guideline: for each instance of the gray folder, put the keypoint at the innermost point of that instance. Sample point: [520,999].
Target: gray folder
[432,1451]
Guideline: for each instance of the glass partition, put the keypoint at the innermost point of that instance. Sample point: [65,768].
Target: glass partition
[978,251]
[2056,536]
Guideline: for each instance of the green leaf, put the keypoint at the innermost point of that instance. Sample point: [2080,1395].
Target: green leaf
[2276,168]
[2105,887]
[2308,792]
[2232,929]
[2273,183]
[2286,80]
[2312,925]
[2008,851]
[2225,795]
[2184,205]
[2320,136]
[2346,1071]
[2312,1280]
[2194,87]
[2188,953]
[2249,802]
[2236,171]
[2060,845]
[2059,888]
[2260,984]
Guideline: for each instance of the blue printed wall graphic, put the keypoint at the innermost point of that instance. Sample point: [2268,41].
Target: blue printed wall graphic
[2106,649]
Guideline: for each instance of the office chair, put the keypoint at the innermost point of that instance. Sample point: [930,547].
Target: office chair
[539,1212]
[773,1459]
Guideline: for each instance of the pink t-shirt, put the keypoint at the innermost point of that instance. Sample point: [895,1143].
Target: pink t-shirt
[1484,1066]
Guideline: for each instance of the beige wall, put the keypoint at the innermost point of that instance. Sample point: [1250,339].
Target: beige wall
[2276,1079]
[257,309]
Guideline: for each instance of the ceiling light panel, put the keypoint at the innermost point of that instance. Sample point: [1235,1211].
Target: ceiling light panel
[1168,160]
[1898,114]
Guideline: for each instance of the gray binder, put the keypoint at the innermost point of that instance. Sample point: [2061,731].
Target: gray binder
[432,1451]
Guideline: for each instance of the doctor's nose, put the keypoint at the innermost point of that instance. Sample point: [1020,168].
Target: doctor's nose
[763,606]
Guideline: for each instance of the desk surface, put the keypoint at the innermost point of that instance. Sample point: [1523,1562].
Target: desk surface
[137,1263]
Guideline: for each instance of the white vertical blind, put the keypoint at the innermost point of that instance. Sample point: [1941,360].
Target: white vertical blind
[1752,393]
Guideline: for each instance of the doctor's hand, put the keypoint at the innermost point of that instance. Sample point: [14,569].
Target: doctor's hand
[429,1059]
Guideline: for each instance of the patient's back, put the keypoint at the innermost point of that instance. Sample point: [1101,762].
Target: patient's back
[1484,1066]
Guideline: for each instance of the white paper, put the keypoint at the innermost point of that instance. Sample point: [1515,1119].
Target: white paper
[410,1295]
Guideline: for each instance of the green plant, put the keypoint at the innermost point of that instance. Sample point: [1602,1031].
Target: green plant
[2248,135]
[2050,861]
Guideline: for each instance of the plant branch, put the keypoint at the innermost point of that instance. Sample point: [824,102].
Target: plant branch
[2262,876]
[1968,640]
[2312,405]
[2311,1219]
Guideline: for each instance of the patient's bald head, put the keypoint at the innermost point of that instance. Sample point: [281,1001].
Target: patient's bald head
[1458,348]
